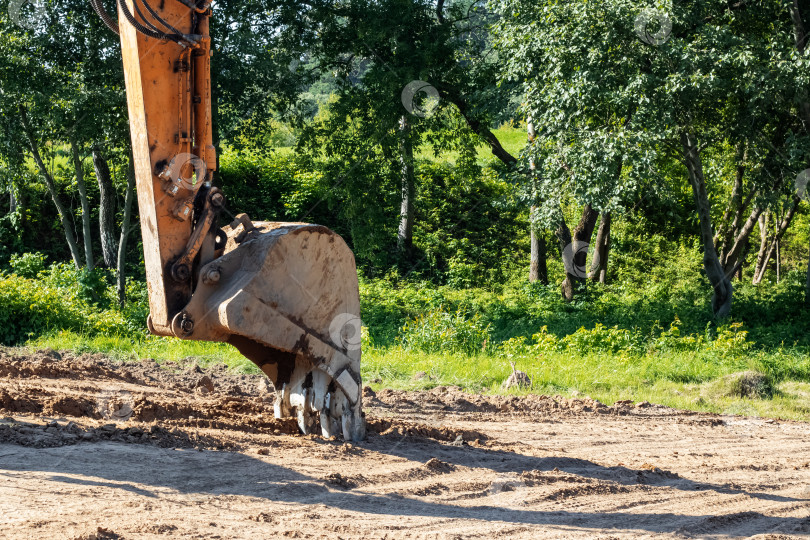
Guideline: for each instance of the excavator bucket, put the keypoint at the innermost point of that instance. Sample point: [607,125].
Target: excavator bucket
[284,294]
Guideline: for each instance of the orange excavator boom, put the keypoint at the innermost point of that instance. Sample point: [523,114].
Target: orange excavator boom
[284,294]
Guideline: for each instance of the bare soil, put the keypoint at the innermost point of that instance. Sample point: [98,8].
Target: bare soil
[93,449]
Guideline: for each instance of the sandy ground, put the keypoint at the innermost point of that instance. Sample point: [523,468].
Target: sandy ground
[92,449]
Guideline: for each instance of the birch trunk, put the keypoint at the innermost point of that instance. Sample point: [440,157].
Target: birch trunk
[121,280]
[405,233]
[774,242]
[601,250]
[106,215]
[82,188]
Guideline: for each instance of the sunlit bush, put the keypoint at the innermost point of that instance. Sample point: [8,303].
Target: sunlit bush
[438,330]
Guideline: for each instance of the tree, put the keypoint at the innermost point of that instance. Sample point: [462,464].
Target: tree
[538,271]
[598,271]
[75,99]
[618,90]
[121,281]
[106,214]
[257,71]
[78,166]
[433,59]
[408,182]
[64,215]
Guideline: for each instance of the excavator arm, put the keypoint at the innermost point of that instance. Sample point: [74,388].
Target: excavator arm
[284,294]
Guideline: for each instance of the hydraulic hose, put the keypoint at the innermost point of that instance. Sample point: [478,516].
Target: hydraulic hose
[108,21]
[144,21]
[180,38]
[148,32]
[159,19]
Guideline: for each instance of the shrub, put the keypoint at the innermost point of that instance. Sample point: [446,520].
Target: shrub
[465,220]
[88,286]
[30,308]
[438,331]
[600,338]
[731,340]
[28,265]
[276,187]
[671,340]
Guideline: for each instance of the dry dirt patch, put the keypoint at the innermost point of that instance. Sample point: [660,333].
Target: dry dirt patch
[94,449]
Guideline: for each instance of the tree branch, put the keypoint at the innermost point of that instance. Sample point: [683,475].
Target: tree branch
[440,11]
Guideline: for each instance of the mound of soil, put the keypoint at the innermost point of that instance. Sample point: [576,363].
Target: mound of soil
[452,399]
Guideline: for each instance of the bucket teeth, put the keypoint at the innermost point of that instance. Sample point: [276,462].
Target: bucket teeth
[313,398]
[281,407]
[307,421]
[330,427]
[320,386]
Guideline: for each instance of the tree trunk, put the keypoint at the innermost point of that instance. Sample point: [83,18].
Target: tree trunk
[405,234]
[574,249]
[106,215]
[725,233]
[601,250]
[734,237]
[64,215]
[457,97]
[763,247]
[121,280]
[731,258]
[82,187]
[12,203]
[723,289]
[538,270]
[774,242]
[778,263]
[807,285]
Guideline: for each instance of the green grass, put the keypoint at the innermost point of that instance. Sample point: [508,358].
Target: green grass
[608,378]
[513,139]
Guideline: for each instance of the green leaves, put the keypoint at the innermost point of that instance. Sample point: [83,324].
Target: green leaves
[61,298]
[609,105]
[440,331]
